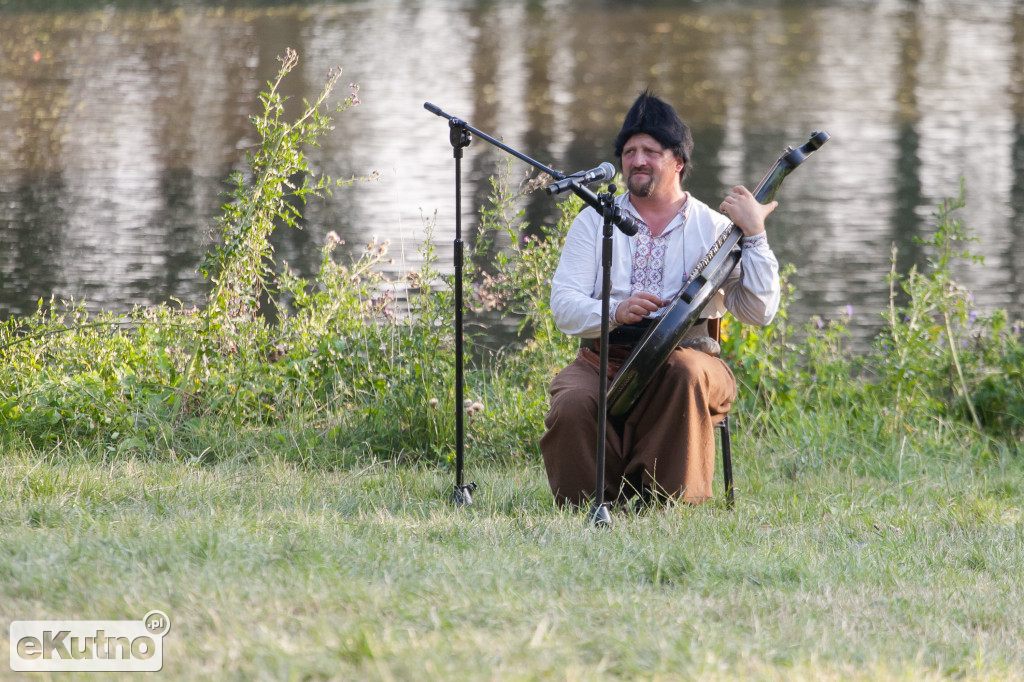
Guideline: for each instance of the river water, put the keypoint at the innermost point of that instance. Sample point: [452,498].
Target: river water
[119,124]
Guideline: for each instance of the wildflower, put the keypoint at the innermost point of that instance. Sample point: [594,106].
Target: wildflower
[849,310]
[477,407]
[468,405]
[433,403]
[332,241]
[821,323]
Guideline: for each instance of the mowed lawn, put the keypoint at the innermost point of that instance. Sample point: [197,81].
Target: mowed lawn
[894,565]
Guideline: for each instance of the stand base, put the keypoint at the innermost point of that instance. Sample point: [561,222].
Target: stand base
[599,515]
[462,495]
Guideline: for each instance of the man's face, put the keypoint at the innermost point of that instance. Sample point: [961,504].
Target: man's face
[648,167]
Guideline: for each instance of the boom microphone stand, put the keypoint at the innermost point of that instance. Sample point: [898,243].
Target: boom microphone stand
[599,515]
[460,137]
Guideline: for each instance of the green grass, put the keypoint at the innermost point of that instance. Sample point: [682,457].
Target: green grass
[894,566]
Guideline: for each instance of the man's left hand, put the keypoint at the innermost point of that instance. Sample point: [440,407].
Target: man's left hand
[745,211]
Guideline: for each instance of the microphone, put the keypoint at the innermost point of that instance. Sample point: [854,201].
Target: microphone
[625,223]
[602,173]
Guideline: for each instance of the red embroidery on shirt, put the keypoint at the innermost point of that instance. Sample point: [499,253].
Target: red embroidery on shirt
[648,261]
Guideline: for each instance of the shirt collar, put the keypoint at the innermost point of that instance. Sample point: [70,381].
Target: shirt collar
[684,211]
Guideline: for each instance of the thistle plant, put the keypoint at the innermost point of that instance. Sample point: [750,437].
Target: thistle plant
[918,350]
[280,181]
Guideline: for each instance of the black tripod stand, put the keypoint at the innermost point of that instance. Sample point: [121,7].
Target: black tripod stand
[599,515]
[460,136]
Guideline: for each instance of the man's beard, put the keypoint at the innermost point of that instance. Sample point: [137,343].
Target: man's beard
[640,188]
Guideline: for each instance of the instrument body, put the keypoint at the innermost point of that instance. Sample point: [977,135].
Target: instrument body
[653,350]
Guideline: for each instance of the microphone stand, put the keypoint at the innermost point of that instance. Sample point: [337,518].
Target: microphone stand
[460,136]
[599,515]
[462,494]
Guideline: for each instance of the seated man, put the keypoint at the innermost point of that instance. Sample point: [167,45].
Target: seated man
[665,446]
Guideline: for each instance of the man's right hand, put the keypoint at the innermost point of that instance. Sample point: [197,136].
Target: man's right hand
[638,306]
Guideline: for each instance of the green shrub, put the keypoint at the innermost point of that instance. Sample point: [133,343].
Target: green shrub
[350,361]
[935,361]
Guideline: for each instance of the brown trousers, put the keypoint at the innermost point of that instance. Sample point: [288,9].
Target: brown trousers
[666,442]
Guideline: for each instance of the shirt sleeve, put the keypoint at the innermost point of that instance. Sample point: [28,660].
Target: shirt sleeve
[753,291]
[575,308]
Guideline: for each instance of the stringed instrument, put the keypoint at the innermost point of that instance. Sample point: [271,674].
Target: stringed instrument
[654,348]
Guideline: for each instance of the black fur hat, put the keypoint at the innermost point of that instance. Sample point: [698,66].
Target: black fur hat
[652,115]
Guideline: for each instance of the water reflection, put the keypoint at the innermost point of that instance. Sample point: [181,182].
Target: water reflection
[121,125]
